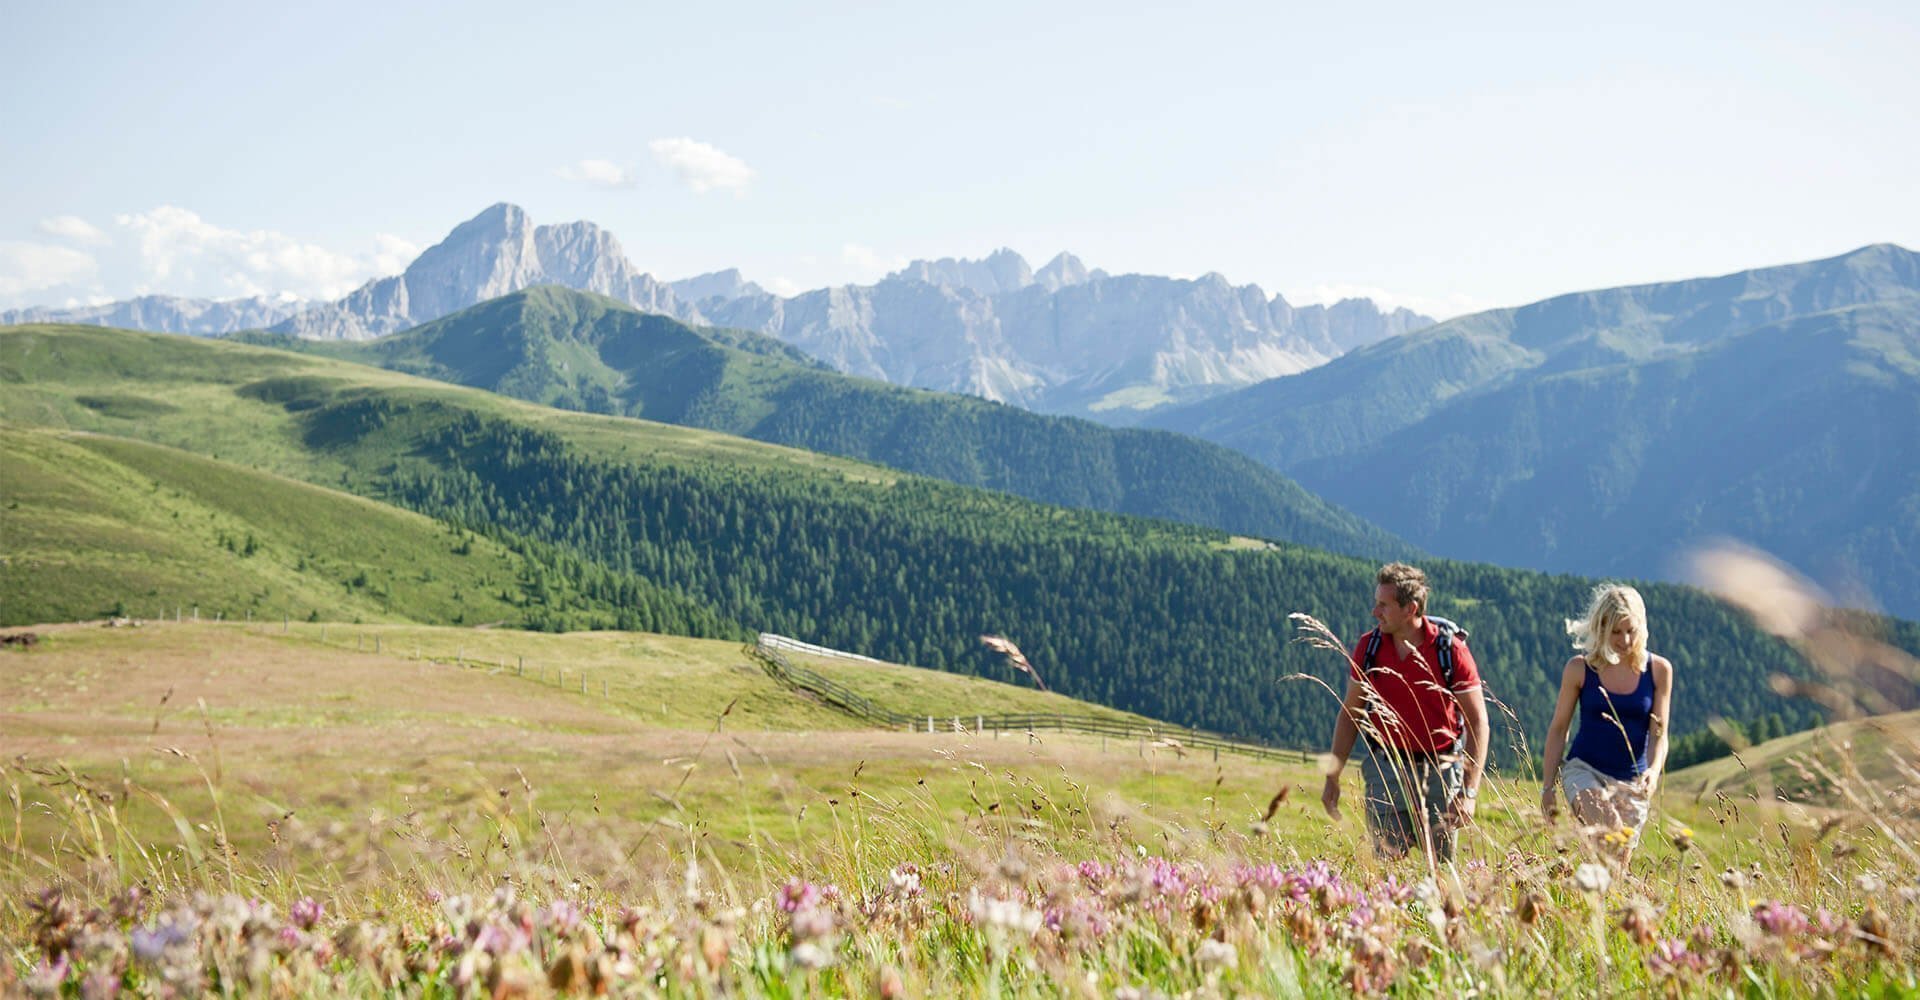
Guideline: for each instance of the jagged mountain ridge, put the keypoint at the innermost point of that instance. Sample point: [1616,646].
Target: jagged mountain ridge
[1065,339]
[167,314]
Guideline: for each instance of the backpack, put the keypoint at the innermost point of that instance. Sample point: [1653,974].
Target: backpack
[1443,646]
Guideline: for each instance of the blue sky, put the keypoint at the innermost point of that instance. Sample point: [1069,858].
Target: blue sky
[1442,159]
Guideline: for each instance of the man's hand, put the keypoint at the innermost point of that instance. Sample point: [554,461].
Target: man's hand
[1460,812]
[1330,795]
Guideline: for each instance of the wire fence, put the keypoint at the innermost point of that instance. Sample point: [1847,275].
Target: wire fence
[773,659]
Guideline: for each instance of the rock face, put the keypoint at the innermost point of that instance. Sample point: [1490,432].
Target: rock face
[1065,339]
[492,254]
[167,314]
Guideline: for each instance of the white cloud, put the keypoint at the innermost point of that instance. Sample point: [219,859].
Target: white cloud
[392,254]
[187,255]
[30,267]
[867,264]
[784,287]
[700,166]
[74,229]
[1439,307]
[599,173]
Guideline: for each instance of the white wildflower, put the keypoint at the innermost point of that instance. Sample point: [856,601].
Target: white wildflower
[1592,877]
[1213,954]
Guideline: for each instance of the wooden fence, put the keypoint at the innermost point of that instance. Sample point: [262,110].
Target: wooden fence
[773,659]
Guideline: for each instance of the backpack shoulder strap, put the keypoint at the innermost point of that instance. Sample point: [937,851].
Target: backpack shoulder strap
[1443,644]
[1372,653]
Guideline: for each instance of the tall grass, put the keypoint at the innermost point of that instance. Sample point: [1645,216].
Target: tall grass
[1034,888]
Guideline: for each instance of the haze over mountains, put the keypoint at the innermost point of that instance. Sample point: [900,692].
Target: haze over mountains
[1604,432]
[1065,339]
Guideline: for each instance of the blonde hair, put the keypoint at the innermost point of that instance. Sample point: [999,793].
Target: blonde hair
[1408,583]
[1612,603]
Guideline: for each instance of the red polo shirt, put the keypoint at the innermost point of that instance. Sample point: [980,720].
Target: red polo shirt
[1420,715]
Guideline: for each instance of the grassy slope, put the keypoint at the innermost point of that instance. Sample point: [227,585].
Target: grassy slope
[310,719]
[1801,766]
[93,522]
[52,373]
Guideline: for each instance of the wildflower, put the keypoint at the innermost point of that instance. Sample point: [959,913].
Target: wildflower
[1005,914]
[1682,839]
[812,923]
[1215,954]
[1672,956]
[151,944]
[101,985]
[904,880]
[306,912]
[1592,877]
[1869,883]
[1780,919]
[562,915]
[46,977]
[1639,919]
[799,894]
[1733,879]
[810,956]
[1094,873]
[1013,869]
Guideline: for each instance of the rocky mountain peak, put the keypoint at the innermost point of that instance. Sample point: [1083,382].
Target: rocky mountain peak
[1002,271]
[1063,271]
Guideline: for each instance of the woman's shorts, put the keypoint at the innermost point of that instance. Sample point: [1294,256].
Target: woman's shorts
[1626,800]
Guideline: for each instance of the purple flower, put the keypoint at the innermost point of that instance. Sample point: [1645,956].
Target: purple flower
[562,916]
[1671,955]
[1094,873]
[150,944]
[47,976]
[306,912]
[1780,919]
[798,894]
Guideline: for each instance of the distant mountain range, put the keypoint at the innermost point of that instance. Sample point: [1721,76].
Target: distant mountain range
[581,351]
[1603,432]
[168,314]
[1065,339]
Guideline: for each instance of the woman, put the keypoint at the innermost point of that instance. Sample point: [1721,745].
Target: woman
[1622,692]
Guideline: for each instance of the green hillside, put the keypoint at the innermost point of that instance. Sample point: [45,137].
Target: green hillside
[1798,435]
[1868,757]
[1605,432]
[580,351]
[97,526]
[1169,621]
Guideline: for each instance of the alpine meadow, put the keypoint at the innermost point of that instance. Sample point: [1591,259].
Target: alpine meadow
[772,502]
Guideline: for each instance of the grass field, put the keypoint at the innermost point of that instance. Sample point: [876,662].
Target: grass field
[687,826]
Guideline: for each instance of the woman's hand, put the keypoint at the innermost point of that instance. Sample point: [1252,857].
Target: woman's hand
[1549,804]
[1647,783]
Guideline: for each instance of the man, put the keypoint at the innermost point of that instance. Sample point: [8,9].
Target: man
[1426,734]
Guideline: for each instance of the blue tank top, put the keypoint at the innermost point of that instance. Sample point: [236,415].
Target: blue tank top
[1603,715]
